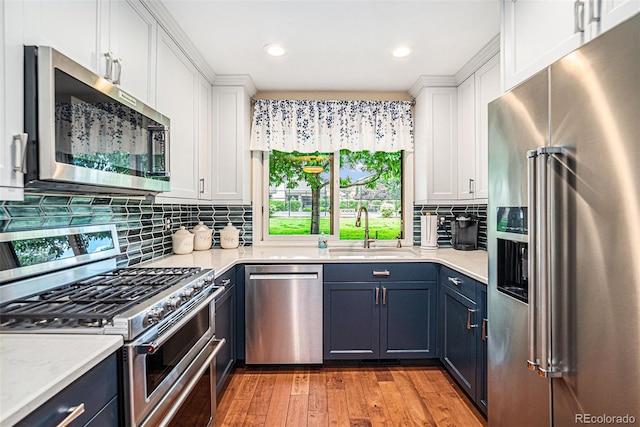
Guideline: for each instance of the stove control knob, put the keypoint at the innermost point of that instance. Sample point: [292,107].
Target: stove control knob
[187,294]
[173,303]
[197,287]
[155,315]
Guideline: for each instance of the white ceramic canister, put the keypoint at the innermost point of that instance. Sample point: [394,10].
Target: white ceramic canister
[182,241]
[229,237]
[202,237]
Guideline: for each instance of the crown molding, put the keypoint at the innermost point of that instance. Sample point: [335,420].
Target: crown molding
[243,80]
[169,24]
[431,81]
[478,60]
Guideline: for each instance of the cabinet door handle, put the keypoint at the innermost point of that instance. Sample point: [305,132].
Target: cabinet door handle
[118,73]
[74,413]
[384,296]
[381,273]
[20,141]
[108,72]
[593,16]
[377,296]
[484,329]
[471,190]
[455,281]
[201,185]
[469,325]
[578,13]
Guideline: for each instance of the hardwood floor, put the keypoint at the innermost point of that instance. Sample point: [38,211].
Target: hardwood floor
[345,396]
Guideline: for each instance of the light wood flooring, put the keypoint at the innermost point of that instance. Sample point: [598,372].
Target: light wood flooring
[345,396]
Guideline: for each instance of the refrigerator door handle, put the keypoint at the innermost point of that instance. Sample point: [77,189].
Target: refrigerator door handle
[546,357]
[532,356]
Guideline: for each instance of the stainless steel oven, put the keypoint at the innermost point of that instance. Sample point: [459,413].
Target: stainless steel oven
[86,134]
[163,367]
[64,281]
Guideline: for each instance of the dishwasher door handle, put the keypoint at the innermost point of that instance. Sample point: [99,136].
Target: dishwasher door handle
[283,276]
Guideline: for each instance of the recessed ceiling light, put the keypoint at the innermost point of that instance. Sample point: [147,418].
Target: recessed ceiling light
[273,49]
[401,52]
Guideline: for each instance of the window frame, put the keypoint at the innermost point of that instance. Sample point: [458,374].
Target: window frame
[260,200]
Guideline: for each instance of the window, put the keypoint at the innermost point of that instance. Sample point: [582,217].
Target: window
[308,195]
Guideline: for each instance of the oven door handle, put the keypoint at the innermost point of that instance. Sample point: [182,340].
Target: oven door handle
[153,346]
[219,343]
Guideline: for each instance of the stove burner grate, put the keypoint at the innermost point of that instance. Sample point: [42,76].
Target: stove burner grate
[93,301]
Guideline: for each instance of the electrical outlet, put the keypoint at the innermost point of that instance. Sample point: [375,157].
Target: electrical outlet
[441,220]
[167,223]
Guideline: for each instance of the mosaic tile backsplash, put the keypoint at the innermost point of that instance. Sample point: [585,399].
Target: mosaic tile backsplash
[140,223]
[450,212]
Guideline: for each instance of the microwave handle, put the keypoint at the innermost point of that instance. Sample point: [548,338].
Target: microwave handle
[153,130]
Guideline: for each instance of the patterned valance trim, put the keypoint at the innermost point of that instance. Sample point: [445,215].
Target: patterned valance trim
[329,126]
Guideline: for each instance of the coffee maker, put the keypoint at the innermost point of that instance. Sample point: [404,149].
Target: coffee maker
[464,233]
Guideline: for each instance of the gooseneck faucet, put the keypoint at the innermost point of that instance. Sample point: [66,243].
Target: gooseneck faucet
[367,240]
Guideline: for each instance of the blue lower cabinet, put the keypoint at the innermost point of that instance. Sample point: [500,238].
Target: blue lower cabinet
[380,318]
[408,320]
[459,338]
[225,324]
[464,333]
[351,321]
[483,391]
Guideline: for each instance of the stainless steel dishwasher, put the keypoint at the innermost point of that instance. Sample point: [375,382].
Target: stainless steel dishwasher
[283,314]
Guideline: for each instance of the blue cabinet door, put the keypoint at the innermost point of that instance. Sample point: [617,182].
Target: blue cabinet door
[351,320]
[408,320]
[460,337]
[481,395]
[225,306]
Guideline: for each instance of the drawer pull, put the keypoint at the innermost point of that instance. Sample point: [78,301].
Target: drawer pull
[455,280]
[469,325]
[381,273]
[74,413]
[225,282]
[484,329]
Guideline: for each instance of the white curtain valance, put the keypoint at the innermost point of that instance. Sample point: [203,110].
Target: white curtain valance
[328,126]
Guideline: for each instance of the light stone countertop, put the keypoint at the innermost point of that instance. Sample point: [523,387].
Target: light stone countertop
[471,263]
[36,367]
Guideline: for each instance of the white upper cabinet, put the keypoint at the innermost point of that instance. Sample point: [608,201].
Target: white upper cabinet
[178,83]
[231,156]
[435,157]
[204,140]
[71,27]
[466,139]
[115,39]
[11,104]
[487,88]
[451,137]
[132,35]
[606,14]
[537,33]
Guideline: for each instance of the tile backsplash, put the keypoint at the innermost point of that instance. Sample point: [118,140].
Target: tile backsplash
[450,212]
[140,223]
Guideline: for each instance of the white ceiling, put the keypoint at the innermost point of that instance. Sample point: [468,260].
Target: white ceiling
[337,45]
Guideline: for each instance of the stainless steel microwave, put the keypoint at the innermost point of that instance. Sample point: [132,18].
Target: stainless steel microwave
[87,135]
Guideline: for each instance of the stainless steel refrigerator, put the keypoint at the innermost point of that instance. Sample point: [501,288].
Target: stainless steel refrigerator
[564,240]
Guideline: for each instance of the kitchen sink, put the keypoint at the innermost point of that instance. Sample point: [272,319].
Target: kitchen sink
[374,253]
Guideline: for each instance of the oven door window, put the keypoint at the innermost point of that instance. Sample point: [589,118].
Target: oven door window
[162,363]
[96,132]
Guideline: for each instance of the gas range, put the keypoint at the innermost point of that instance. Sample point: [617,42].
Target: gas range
[66,281]
[124,301]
